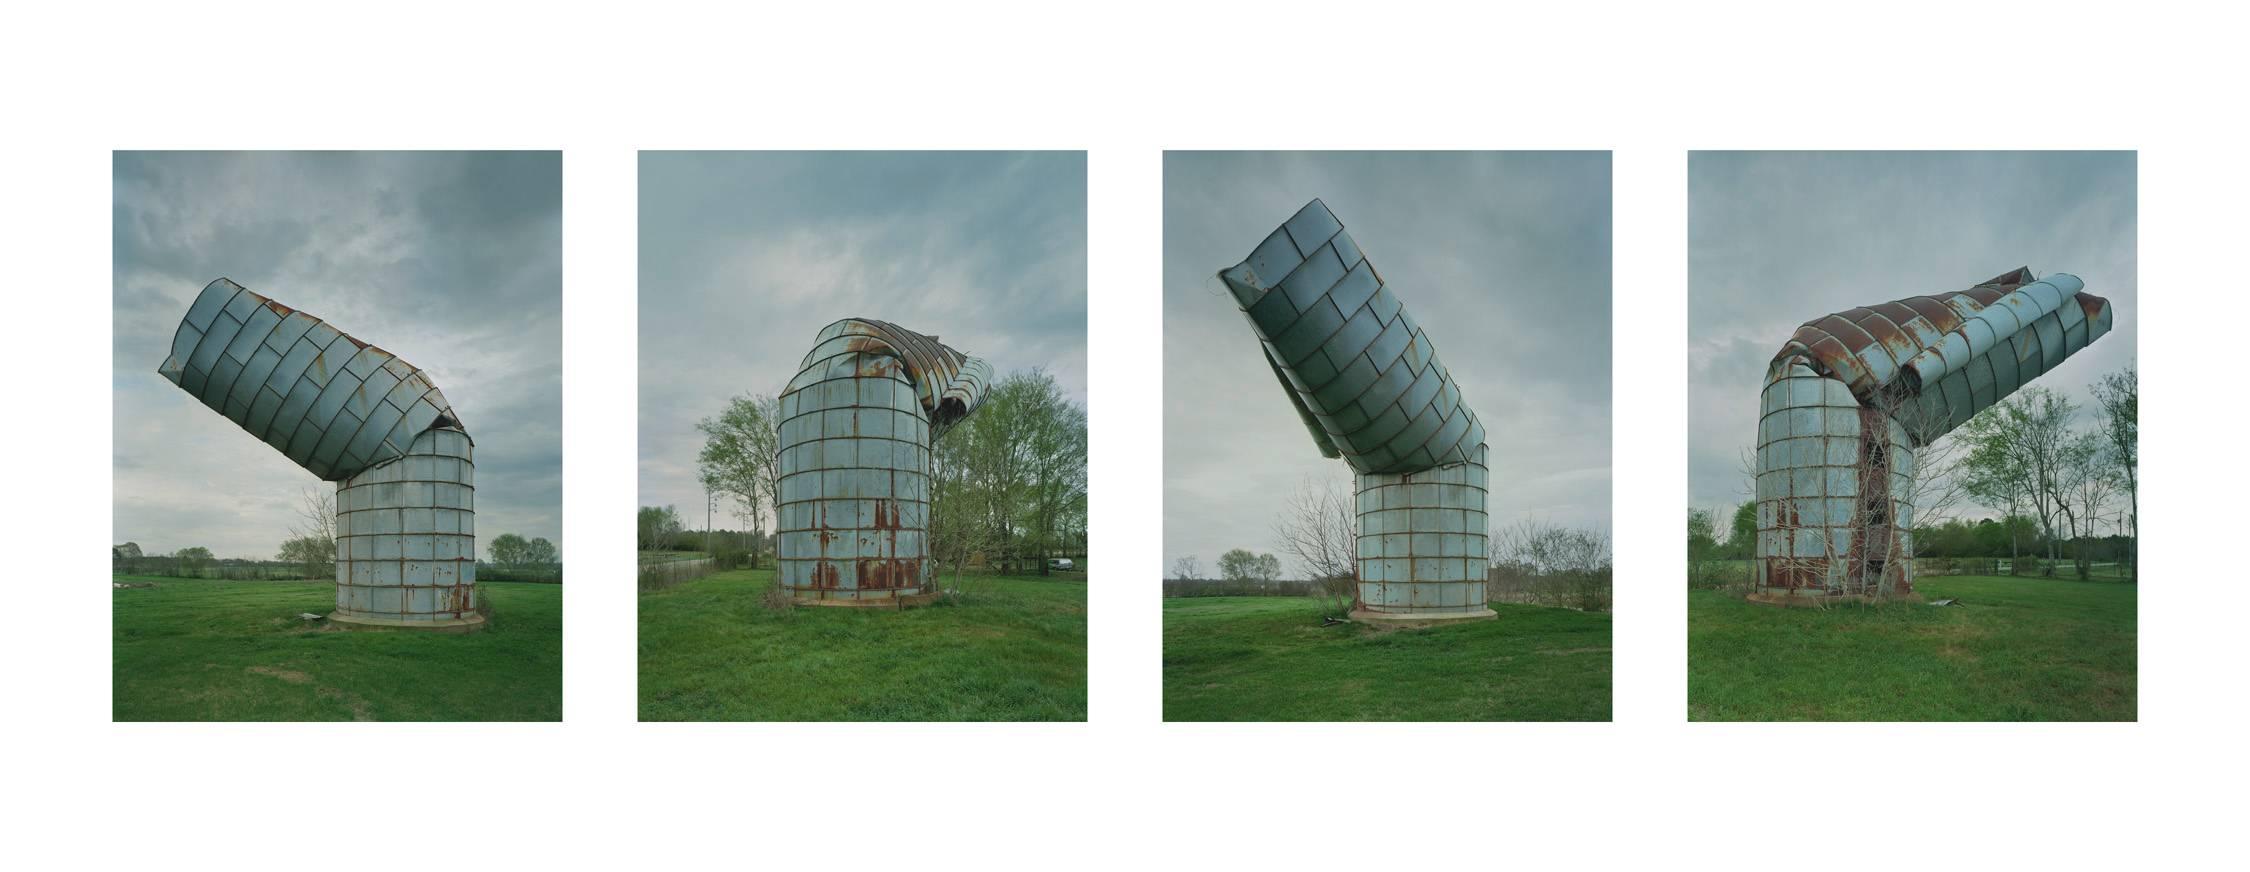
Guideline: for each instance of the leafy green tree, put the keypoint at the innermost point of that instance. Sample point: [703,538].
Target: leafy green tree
[1702,548]
[315,556]
[509,550]
[658,524]
[741,459]
[192,560]
[1742,537]
[539,551]
[1243,565]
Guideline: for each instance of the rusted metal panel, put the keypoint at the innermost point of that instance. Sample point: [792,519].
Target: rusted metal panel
[1370,388]
[1850,398]
[856,427]
[357,415]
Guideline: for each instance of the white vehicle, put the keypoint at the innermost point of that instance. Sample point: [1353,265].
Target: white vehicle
[1062,563]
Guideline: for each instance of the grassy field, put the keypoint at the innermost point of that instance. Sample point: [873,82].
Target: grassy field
[1012,649]
[1269,659]
[191,650]
[2016,649]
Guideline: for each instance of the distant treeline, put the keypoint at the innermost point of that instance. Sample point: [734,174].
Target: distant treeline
[238,569]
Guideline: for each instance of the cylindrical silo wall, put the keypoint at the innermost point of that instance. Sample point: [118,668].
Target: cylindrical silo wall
[855,484]
[1423,541]
[1834,492]
[406,544]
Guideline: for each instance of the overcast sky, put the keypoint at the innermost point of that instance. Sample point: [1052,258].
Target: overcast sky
[1502,257]
[452,261]
[1780,238]
[745,256]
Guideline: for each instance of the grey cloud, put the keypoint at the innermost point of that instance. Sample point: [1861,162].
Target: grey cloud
[451,260]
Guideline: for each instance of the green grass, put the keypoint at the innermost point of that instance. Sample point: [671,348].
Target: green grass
[1269,659]
[1012,649]
[2016,649]
[193,650]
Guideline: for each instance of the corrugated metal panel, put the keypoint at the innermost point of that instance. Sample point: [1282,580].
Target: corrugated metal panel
[856,427]
[1370,389]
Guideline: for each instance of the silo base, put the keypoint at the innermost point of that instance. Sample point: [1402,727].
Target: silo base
[467,624]
[1410,619]
[889,602]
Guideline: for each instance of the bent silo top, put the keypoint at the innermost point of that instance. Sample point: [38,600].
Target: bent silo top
[333,404]
[1362,374]
[948,383]
[1933,362]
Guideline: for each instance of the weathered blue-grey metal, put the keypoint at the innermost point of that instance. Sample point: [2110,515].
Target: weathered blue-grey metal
[1370,389]
[856,428]
[1852,396]
[353,414]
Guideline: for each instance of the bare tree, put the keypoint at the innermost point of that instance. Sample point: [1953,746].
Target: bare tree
[1187,569]
[312,540]
[2118,395]
[2084,482]
[1319,527]
[1553,565]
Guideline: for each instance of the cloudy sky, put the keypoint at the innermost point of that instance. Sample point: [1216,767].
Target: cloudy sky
[453,261]
[745,256]
[1504,259]
[1780,238]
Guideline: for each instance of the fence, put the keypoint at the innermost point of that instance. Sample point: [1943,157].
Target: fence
[166,566]
[275,570]
[658,576]
[1239,587]
[2026,566]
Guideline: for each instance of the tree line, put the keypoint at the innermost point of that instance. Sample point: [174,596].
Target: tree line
[2062,489]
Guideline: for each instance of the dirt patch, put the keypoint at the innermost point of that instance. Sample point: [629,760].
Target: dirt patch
[360,708]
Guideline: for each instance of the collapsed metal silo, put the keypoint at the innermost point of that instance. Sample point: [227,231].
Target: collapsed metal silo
[857,423]
[359,416]
[1371,390]
[1851,398]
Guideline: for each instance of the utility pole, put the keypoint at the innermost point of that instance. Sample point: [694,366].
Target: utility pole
[707,520]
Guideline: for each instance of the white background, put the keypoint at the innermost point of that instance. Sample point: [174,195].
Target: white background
[1124,790]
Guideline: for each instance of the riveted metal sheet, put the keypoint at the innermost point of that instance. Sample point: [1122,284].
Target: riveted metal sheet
[1371,389]
[1362,375]
[1851,397]
[856,427]
[406,546]
[296,383]
[356,415]
[1991,339]
[1422,542]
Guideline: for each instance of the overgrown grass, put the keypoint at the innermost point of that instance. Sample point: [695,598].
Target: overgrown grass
[1269,659]
[2016,649]
[193,650]
[1013,649]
